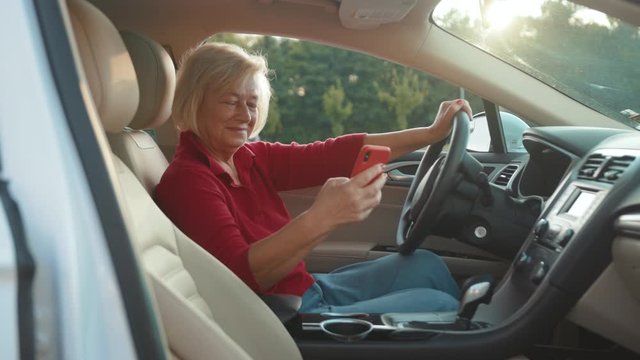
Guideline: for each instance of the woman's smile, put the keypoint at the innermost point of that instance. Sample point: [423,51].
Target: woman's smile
[228,118]
[240,129]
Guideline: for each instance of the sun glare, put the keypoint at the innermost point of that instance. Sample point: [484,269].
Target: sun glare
[501,13]
[497,15]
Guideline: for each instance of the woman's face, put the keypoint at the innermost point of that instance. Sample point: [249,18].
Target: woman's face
[227,119]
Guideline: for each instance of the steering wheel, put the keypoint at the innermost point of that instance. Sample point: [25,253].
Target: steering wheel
[433,182]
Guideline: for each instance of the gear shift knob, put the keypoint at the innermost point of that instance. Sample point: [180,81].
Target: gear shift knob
[475,291]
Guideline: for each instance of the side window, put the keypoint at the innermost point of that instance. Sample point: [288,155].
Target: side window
[321,91]
[512,126]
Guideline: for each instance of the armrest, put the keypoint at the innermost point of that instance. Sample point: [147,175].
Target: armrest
[284,306]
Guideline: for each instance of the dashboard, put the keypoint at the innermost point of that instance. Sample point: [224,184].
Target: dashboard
[583,254]
[577,257]
[552,151]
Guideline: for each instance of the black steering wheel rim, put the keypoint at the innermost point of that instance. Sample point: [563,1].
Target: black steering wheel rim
[433,182]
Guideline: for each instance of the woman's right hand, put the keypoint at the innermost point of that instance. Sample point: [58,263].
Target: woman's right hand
[342,200]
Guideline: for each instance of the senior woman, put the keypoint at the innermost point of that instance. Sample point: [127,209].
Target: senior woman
[222,191]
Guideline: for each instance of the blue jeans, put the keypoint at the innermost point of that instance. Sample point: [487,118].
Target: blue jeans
[419,282]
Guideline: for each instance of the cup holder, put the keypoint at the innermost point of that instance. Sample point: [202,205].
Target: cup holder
[346,330]
[334,315]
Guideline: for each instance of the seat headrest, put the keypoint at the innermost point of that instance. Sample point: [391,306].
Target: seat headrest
[156,80]
[107,66]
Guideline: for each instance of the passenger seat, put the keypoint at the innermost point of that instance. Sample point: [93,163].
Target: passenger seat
[206,311]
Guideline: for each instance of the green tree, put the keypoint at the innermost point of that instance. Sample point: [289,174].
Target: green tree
[574,54]
[406,92]
[273,127]
[336,108]
[318,88]
[230,38]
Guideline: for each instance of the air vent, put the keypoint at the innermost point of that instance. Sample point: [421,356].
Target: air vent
[591,167]
[614,168]
[488,170]
[505,175]
[605,168]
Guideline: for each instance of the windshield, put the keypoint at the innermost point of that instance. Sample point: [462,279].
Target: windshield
[589,56]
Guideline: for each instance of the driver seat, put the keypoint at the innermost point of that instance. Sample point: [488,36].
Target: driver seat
[206,311]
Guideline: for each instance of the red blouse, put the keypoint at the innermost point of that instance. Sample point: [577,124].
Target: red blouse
[201,199]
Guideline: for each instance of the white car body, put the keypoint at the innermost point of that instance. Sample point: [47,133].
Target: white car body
[78,312]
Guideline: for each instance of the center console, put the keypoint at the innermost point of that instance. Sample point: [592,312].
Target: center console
[562,255]
[349,328]
[552,234]
[352,327]
[556,229]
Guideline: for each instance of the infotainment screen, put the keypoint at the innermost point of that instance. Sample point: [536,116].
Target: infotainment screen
[581,203]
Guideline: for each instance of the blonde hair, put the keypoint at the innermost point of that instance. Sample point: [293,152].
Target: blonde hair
[221,66]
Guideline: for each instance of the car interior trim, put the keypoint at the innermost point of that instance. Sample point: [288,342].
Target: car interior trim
[26,268]
[495,127]
[575,141]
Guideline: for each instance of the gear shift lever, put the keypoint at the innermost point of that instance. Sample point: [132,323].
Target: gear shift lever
[475,291]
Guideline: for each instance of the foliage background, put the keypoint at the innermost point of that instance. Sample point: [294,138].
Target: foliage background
[321,92]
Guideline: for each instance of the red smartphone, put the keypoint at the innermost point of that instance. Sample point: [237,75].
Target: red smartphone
[369,156]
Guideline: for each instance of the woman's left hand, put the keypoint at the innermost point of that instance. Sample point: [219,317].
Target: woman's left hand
[444,119]
[408,140]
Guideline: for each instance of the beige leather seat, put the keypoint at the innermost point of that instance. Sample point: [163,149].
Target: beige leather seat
[205,310]
[156,77]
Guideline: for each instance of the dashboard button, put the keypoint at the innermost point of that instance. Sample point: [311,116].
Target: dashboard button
[565,237]
[538,272]
[523,261]
[541,227]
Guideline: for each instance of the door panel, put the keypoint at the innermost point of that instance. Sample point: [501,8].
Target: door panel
[401,173]
[379,228]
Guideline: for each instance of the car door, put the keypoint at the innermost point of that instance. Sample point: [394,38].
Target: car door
[16,276]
